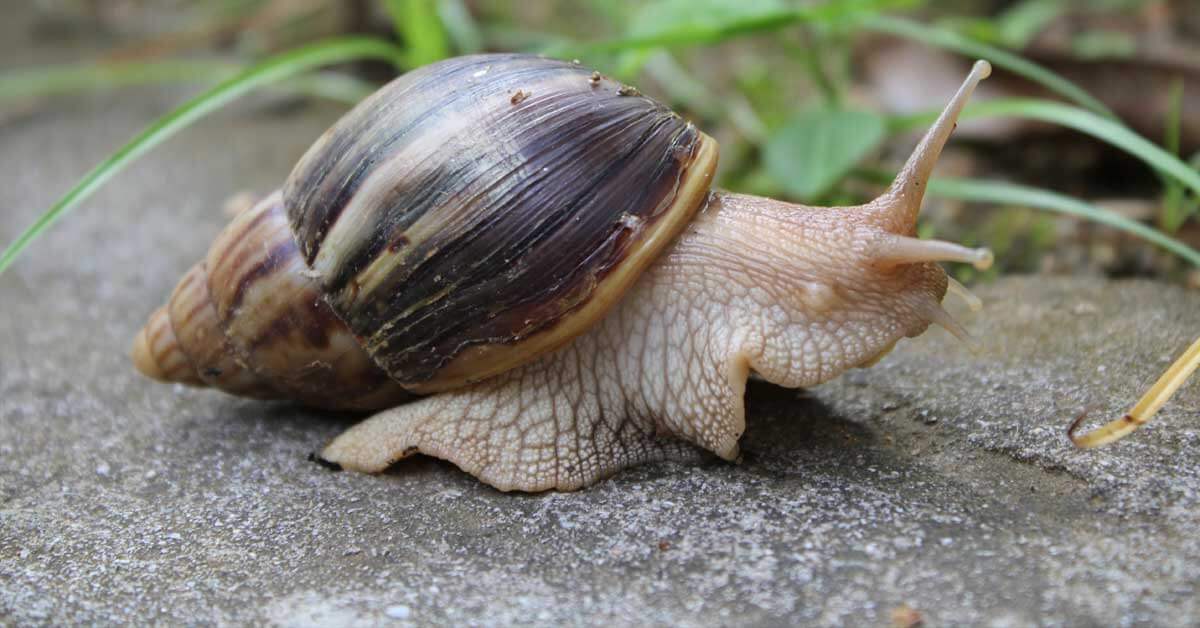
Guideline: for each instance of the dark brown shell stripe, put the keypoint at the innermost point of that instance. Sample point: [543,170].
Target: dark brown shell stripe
[445,213]
[276,322]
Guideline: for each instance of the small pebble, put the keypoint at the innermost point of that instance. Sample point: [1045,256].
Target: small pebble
[399,611]
[103,469]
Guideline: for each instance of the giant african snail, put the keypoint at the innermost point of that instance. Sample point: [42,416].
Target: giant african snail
[539,246]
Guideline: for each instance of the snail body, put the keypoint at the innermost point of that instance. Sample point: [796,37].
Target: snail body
[537,248]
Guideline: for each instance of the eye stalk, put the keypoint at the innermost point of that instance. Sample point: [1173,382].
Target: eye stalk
[898,207]
[896,210]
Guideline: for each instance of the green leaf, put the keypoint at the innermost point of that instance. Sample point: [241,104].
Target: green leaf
[951,40]
[272,70]
[418,24]
[817,148]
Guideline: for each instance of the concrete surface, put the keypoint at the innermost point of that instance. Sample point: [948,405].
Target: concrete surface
[937,481]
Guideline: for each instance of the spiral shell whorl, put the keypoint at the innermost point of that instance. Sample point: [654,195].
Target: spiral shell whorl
[158,355]
[250,321]
[199,334]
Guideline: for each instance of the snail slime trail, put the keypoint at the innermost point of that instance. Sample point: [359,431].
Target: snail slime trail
[519,239]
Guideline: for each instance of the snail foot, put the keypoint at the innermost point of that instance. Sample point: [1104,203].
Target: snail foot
[513,434]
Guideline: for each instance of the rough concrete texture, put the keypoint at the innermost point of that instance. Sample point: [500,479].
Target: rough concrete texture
[939,479]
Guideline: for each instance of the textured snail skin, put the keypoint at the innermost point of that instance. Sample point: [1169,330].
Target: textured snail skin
[785,291]
[656,370]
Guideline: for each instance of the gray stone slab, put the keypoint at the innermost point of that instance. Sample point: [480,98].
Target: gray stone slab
[939,479]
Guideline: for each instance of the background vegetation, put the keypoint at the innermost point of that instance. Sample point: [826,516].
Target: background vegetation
[1081,155]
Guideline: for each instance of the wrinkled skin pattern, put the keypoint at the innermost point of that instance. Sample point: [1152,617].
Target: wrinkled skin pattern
[786,291]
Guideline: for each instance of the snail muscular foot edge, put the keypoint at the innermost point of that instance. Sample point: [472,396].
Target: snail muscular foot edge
[409,235]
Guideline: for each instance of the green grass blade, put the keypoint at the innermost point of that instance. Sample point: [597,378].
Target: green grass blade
[68,79]
[978,191]
[460,26]
[272,70]
[1104,129]
[690,22]
[1097,126]
[417,22]
[395,10]
[668,22]
[61,80]
[661,24]
[950,40]
[1173,213]
[1014,194]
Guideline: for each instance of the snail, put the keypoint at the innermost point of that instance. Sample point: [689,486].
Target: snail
[521,267]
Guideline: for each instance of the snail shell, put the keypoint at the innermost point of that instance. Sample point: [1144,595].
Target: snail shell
[465,219]
[250,320]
